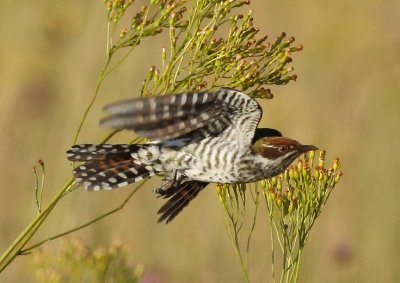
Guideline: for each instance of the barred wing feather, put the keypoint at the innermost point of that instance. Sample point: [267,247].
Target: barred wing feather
[225,112]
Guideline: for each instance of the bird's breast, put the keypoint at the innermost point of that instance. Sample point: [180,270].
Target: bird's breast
[218,160]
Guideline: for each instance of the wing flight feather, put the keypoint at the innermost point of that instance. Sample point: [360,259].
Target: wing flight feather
[225,112]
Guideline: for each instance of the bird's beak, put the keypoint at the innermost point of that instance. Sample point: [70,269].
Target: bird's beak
[305,148]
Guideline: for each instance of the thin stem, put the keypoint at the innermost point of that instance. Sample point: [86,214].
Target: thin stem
[232,225]
[297,268]
[119,62]
[256,203]
[41,185]
[39,192]
[121,206]
[96,92]
[237,249]
[270,218]
[110,135]
[283,273]
[109,43]
[277,236]
[14,249]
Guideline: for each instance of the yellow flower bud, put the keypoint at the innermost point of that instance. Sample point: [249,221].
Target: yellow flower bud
[296,175]
[336,164]
[316,173]
[123,32]
[272,194]
[279,185]
[321,174]
[321,160]
[337,177]
[286,175]
[299,165]
[279,201]
[289,193]
[311,154]
[304,171]
[263,184]
[325,179]
[291,173]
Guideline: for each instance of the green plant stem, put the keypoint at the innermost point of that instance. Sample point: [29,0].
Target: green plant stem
[297,268]
[234,231]
[104,73]
[256,203]
[270,218]
[96,92]
[39,192]
[121,206]
[15,248]
[284,255]
[237,249]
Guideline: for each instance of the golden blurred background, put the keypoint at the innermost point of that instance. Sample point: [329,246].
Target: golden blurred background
[346,100]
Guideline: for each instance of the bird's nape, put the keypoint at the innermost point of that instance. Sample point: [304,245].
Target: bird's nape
[265,132]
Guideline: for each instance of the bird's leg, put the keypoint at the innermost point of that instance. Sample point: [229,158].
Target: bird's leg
[166,185]
[170,183]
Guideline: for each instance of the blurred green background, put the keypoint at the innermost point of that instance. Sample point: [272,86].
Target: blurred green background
[346,100]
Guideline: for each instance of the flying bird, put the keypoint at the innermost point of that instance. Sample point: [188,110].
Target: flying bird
[197,138]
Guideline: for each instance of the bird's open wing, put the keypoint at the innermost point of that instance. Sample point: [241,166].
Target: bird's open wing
[224,112]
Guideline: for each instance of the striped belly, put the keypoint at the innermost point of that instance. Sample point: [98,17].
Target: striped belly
[217,161]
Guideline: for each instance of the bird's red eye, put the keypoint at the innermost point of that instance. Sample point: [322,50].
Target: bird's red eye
[283,148]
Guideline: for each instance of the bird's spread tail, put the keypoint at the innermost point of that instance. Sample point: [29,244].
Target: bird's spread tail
[108,166]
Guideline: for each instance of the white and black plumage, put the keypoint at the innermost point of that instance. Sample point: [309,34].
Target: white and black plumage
[197,138]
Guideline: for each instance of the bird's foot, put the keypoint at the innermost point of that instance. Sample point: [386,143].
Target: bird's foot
[167,188]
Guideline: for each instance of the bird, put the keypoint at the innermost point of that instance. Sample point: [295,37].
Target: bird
[195,138]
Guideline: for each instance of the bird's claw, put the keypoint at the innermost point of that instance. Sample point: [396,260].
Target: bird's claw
[162,190]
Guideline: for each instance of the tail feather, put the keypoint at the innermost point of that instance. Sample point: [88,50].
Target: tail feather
[107,176]
[86,152]
[183,194]
[108,166]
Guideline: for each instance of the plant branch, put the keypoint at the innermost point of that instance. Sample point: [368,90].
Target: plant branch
[100,79]
[15,248]
[121,206]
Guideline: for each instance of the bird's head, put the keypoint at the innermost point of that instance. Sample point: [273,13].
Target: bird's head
[279,152]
